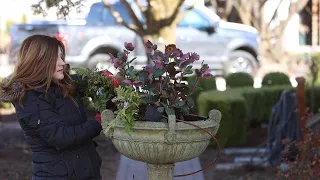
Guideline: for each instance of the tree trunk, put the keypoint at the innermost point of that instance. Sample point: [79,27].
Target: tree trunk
[163,9]
[315,22]
[166,35]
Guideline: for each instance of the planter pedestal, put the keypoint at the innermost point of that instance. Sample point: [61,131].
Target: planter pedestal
[160,171]
[161,144]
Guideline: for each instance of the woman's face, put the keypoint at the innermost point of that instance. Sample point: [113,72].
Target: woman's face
[58,73]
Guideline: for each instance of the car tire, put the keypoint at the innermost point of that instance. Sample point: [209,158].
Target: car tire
[97,60]
[241,61]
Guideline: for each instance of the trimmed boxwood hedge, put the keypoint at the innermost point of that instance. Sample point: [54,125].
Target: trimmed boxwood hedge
[233,125]
[239,79]
[242,106]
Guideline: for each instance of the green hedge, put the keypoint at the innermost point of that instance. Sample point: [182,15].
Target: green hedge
[239,79]
[261,101]
[242,106]
[233,125]
[275,79]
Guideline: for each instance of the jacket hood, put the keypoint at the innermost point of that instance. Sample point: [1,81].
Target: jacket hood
[14,92]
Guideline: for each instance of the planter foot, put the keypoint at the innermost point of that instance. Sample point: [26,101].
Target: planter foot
[160,171]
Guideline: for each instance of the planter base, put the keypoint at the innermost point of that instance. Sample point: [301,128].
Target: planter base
[160,171]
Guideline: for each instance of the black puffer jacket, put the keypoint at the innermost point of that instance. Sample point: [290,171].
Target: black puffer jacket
[59,134]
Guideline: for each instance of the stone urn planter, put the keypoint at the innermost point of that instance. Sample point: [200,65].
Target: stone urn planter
[161,144]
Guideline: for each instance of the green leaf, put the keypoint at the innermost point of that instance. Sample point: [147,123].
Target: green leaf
[189,67]
[147,99]
[158,72]
[131,60]
[130,71]
[169,110]
[197,88]
[179,104]
[188,72]
[160,109]
[185,110]
[190,102]
[143,76]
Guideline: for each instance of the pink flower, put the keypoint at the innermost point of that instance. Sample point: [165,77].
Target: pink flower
[206,74]
[184,62]
[137,83]
[113,59]
[124,57]
[158,55]
[116,63]
[179,53]
[158,63]
[129,46]
[194,57]
[127,81]
[149,46]
[149,68]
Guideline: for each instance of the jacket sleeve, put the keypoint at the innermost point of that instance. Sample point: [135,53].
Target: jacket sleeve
[45,121]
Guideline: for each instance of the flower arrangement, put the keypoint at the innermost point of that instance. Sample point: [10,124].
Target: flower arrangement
[97,88]
[148,94]
[157,89]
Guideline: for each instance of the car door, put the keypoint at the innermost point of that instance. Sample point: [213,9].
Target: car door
[196,33]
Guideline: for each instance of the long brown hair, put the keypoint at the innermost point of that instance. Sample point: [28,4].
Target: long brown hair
[36,65]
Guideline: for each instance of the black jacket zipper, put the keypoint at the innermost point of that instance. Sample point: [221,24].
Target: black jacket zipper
[77,106]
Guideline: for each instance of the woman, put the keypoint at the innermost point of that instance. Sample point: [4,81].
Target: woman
[51,113]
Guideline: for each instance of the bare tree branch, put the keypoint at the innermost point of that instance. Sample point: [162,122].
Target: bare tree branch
[149,16]
[142,9]
[293,9]
[274,13]
[228,7]
[119,19]
[133,15]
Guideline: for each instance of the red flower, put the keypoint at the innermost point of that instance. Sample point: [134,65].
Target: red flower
[109,75]
[129,46]
[115,82]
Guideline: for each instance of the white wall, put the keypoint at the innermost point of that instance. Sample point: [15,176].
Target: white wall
[291,35]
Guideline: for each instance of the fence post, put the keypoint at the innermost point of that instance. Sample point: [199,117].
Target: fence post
[301,104]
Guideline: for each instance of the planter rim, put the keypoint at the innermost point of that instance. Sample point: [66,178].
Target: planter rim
[213,120]
[165,126]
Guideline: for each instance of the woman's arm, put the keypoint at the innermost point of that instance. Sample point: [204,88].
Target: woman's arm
[44,121]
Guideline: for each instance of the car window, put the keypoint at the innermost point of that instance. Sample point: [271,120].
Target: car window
[194,19]
[107,17]
[94,16]
[99,14]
